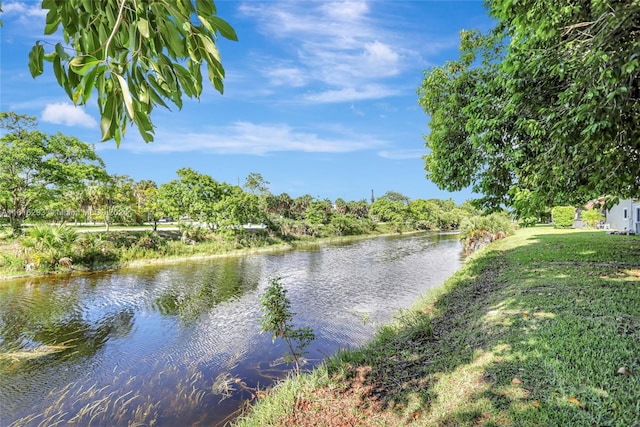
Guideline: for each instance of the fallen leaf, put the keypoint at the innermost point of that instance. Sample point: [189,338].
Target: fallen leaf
[623,371]
[525,314]
[536,404]
[576,401]
[516,381]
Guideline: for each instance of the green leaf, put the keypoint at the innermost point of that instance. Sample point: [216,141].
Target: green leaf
[61,52]
[144,126]
[106,122]
[159,86]
[143,27]
[157,98]
[143,93]
[126,95]
[172,38]
[207,24]
[186,80]
[205,7]
[209,46]
[225,29]
[88,82]
[88,5]
[36,60]
[81,64]
[52,21]
[59,71]
[630,66]
[103,34]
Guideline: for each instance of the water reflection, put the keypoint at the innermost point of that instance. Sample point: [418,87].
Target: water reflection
[180,344]
[198,288]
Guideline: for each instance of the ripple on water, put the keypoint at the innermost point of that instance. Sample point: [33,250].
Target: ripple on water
[162,340]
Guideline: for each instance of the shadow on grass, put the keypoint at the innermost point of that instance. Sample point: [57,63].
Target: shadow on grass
[542,328]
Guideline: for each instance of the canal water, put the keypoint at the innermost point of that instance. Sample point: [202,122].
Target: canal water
[180,344]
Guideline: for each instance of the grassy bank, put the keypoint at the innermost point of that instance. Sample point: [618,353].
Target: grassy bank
[540,328]
[92,249]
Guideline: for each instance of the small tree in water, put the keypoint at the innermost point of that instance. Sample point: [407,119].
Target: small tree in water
[277,319]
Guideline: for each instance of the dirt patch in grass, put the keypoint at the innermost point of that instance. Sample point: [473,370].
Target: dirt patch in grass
[356,404]
[395,388]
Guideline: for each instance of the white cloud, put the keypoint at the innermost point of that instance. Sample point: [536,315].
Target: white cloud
[352,94]
[256,139]
[31,9]
[339,46]
[345,10]
[382,58]
[287,76]
[29,17]
[66,114]
[402,154]
[23,22]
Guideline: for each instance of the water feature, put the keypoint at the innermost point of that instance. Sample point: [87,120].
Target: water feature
[179,344]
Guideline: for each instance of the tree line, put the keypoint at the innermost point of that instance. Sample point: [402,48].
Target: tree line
[57,178]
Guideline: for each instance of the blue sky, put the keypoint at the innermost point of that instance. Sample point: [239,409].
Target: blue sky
[320,97]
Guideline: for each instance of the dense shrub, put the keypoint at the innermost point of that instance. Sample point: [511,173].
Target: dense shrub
[191,233]
[150,240]
[93,249]
[11,262]
[348,225]
[46,245]
[294,228]
[479,230]
[563,216]
[527,222]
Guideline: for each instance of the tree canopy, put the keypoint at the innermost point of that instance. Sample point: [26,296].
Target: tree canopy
[541,110]
[36,167]
[203,199]
[136,54]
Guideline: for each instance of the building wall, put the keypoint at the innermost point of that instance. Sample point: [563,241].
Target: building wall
[616,216]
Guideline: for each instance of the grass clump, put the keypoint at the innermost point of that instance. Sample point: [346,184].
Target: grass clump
[540,328]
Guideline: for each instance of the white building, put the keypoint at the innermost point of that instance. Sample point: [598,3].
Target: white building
[625,216]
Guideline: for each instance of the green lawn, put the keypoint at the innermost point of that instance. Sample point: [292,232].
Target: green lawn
[541,328]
